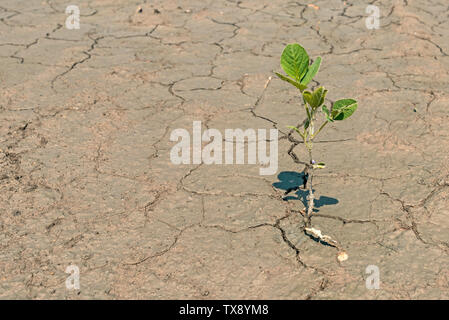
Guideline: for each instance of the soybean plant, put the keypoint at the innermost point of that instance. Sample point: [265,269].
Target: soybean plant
[296,64]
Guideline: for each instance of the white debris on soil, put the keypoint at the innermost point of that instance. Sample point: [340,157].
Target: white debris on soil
[342,256]
[317,234]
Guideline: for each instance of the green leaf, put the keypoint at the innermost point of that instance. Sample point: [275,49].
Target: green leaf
[308,97]
[326,112]
[295,61]
[319,165]
[296,84]
[343,109]
[306,124]
[318,97]
[311,72]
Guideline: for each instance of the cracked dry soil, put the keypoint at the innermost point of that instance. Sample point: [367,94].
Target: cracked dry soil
[85,175]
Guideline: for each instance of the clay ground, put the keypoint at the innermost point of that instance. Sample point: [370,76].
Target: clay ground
[86,178]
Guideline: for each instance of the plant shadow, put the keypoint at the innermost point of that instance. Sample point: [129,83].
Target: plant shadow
[294,181]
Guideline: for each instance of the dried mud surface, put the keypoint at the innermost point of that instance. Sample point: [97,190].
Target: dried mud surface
[86,179]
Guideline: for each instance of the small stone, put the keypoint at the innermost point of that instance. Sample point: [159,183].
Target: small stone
[139,10]
[156,11]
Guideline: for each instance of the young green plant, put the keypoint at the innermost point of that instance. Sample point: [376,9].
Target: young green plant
[296,64]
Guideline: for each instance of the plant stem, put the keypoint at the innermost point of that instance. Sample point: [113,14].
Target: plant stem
[311,198]
[322,126]
[309,170]
[307,110]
